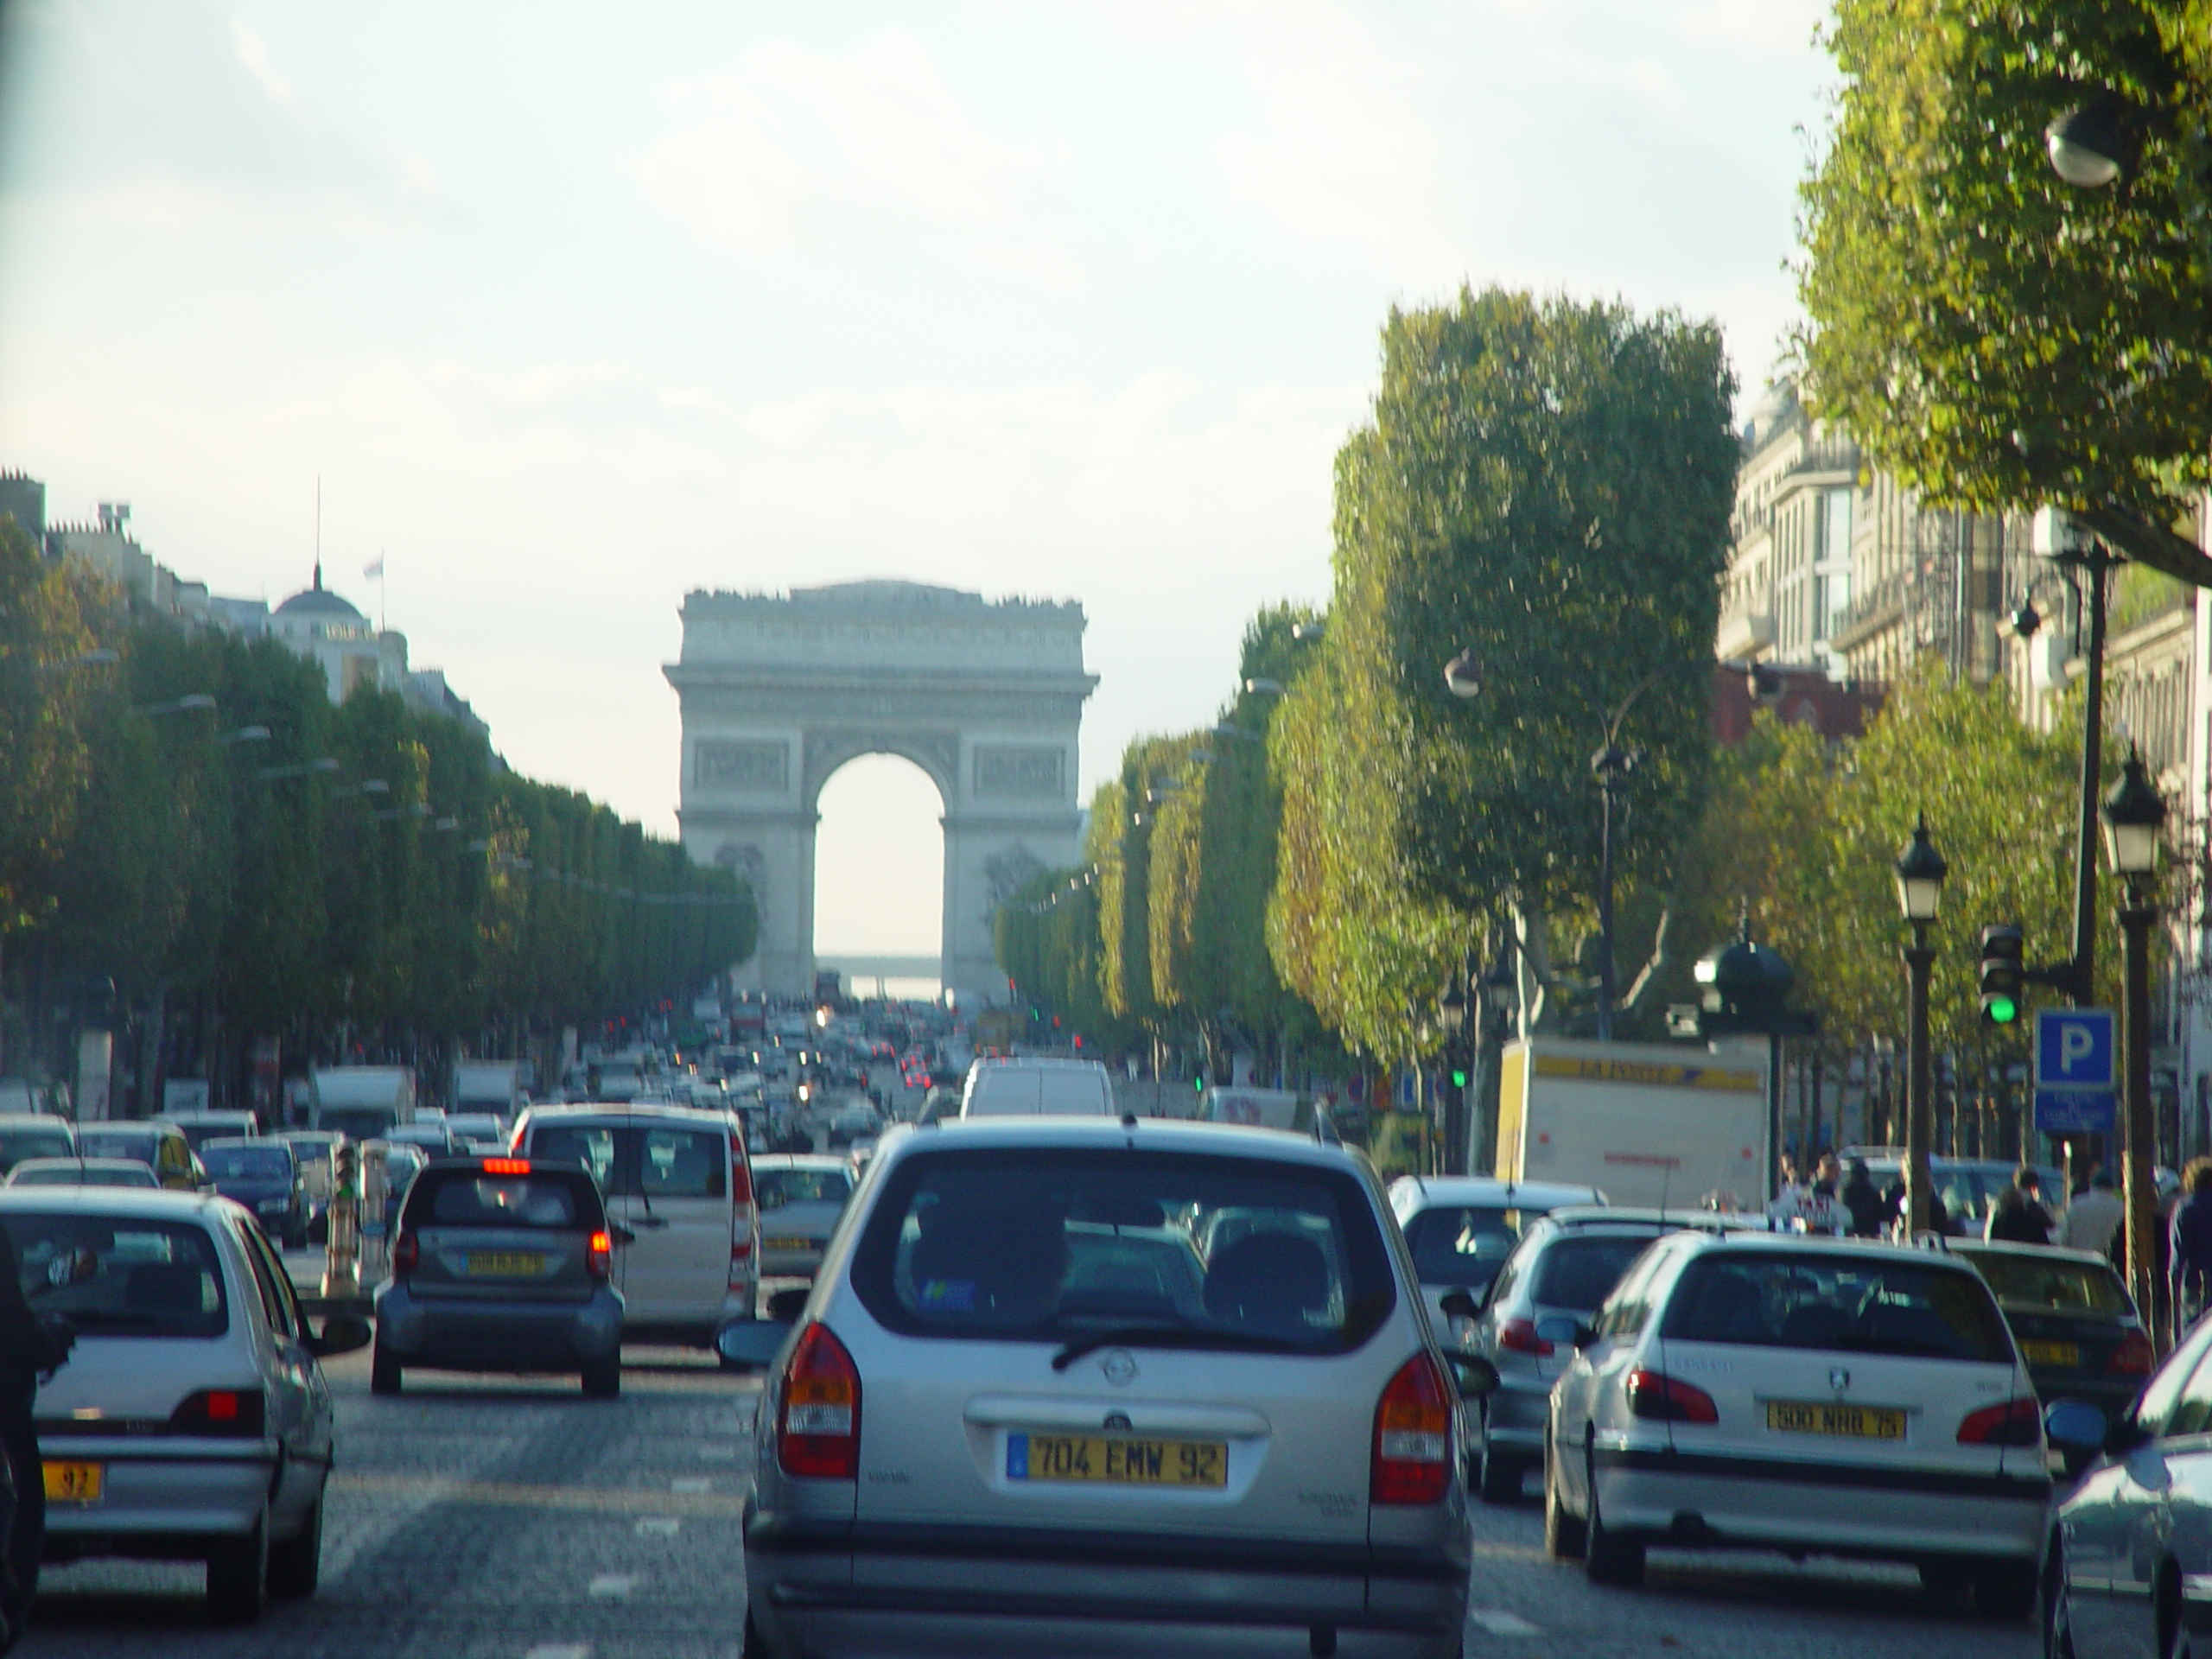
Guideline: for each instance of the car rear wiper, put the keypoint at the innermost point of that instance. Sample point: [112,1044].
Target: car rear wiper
[1176,1336]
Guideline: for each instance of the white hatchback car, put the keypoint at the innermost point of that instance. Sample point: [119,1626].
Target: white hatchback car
[192,1421]
[1141,1387]
[1820,1397]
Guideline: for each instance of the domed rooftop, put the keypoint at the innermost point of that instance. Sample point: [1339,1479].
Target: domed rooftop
[319,600]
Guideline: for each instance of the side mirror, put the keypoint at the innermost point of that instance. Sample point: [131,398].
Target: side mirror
[1476,1376]
[2075,1425]
[750,1344]
[1460,1305]
[341,1334]
[621,1235]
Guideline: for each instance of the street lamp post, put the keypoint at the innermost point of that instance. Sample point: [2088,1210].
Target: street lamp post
[2133,816]
[1920,872]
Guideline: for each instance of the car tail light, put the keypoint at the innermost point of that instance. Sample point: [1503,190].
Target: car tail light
[2017,1422]
[2134,1356]
[506,1166]
[600,1259]
[1520,1335]
[220,1411]
[1661,1398]
[818,1423]
[1413,1436]
[740,1172]
[406,1255]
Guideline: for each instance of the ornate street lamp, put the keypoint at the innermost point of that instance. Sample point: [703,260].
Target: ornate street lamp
[1920,872]
[2094,143]
[2133,816]
[1463,675]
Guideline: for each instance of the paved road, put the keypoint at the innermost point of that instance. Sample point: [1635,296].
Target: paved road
[485,1518]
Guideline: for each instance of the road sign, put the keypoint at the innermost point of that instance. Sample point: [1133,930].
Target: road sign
[2075,1073]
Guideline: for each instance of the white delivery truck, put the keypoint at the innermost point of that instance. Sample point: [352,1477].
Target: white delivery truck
[1648,1123]
[494,1086]
[1266,1109]
[362,1102]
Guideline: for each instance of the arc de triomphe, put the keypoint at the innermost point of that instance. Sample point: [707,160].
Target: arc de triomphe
[779,691]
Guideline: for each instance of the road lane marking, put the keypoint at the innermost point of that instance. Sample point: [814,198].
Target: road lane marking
[1508,1552]
[613,1586]
[559,1650]
[517,1494]
[1498,1622]
[718,1453]
[658,1525]
[691,1485]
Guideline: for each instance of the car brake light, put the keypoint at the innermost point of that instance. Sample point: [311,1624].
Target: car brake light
[2134,1356]
[818,1423]
[1660,1397]
[506,1166]
[1520,1335]
[2017,1422]
[600,1261]
[1413,1436]
[740,1172]
[406,1255]
[220,1411]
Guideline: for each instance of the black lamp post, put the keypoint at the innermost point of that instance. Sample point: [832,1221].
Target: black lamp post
[1747,989]
[1920,872]
[2133,816]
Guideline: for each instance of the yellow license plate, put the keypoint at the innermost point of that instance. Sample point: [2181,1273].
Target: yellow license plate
[1116,1460]
[76,1483]
[1856,1422]
[786,1244]
[505,1264]
[2067,1354]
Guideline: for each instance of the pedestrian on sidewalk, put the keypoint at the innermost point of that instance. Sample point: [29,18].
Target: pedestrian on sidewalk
[2017,1216]
[2092,1219]
[1871,1213]
[2190,1246]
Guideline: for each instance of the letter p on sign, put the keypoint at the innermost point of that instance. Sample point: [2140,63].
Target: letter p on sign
[2075,1046]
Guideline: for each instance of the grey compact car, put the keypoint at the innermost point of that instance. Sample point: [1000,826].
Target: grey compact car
[1161,1386]
[1559,1272]
[801,1196]
[502,1264]
[192,1421]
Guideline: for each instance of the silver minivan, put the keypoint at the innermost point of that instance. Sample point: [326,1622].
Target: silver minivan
[1155,1386]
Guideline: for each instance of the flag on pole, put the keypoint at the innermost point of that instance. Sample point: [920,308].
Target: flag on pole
[374,570]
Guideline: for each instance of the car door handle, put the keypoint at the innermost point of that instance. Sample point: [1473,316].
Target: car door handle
[648,1221]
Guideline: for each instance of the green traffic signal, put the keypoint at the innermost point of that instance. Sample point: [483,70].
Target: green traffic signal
[2001,1010]
[1459,1079]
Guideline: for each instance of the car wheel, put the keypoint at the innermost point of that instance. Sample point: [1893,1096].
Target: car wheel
[1564,1535]
[2005,1591]
[1606,1556]
[2058,1609]
[238,1576]
[1498,1477]
[603,1378]
[295,1565]
[384,1370]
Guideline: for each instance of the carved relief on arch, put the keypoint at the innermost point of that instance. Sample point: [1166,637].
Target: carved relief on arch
[936,753]
[750,863]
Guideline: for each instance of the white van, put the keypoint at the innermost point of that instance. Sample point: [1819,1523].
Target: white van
[1036,1087]
[680,1181]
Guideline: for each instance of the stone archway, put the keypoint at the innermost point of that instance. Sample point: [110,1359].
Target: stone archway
[778,692]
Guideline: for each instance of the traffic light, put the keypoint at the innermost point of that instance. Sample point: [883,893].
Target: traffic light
[1458,1077]
[2003,972]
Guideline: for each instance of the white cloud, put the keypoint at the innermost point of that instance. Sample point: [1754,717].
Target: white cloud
[794,147]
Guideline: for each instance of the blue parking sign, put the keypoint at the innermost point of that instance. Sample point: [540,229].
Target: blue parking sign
[2076,1076]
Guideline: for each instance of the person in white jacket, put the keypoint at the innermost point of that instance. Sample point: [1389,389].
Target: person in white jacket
[2092,1219]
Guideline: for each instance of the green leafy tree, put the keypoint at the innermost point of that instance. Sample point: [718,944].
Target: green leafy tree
[1995,336]
[45,685]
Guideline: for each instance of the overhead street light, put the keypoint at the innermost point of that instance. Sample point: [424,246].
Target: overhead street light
[1463,675]
[1264,687]
[2094,144]
[99,658]
[244,735]
[1307,634]
[190,701]
[321,766]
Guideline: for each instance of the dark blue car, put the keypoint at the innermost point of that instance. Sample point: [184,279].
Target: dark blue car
[263,1175]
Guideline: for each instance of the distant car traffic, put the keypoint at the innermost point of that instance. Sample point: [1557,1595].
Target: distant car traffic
[192,1420]
[501,1264]
[1461,1228]
[2075,1323]
[200,1127]
[1027,1408]
[1027,1087]
[34,1134]
[162,1147]
[82,1172]
[1809,1395]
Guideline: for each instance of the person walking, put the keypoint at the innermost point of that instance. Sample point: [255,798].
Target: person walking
[29,1346]
[1871,1213]
[2189,1255]
[2017,1216]
[2093,1216]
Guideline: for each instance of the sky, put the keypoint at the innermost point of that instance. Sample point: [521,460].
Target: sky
[575,307]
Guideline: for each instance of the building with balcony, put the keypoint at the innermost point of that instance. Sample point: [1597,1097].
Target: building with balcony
[1789,570]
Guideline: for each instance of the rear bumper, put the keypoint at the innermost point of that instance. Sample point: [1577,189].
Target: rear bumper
[160,1502]
[840,1587]
[484,1335]
[1688,1500]
[1517,1410]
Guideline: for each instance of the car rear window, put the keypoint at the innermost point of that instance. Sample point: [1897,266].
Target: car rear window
[2057,1286]
[121,1277]
[1462,1245]
[16,1145]
[462,1198]
[1858,1304]
[1063,1244]
[1578,1272]
[778,1187]
[117,1143]
[247,1163]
